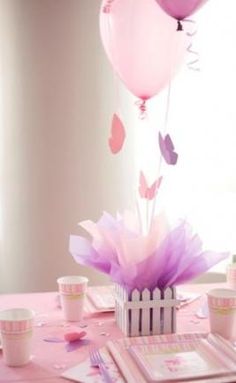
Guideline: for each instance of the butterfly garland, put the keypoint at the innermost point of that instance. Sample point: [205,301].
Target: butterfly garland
[148,192]
[167,149]
[117,138]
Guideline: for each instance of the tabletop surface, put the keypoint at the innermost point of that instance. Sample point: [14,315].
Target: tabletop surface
[50,358]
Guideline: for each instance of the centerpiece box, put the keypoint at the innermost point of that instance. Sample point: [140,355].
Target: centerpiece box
[145,267]
[145,312]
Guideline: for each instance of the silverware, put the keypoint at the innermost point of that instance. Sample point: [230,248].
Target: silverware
[97,361]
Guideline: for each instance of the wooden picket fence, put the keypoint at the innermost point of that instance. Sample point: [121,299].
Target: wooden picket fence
[146,312]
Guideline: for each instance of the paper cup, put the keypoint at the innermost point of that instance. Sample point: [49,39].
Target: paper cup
[222,312]
[231,276]
[72,295]
[16,334]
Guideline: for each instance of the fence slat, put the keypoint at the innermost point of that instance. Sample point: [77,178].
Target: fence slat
[120,308]
[173,314]
[116,304]
[156,312]
[135,314]
[167,317]
[145,315]
[125,313]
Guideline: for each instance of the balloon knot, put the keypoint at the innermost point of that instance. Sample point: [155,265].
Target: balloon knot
[179,26]
[142,108]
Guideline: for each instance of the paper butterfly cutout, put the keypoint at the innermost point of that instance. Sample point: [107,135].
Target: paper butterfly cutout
[117,138]
[167,149]
[148,192]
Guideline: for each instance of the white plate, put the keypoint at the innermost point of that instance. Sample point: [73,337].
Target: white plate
[170,362]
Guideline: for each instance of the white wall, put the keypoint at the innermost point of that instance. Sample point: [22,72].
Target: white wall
[55,165]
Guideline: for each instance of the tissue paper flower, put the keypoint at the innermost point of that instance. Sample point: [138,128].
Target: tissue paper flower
[163,257]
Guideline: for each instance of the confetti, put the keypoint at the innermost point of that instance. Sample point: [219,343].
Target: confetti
[202,312]
[40,324]
[100,323]
[104,334]
[53,339]
[83,325]
[194,321]
[59,366]
[65,325]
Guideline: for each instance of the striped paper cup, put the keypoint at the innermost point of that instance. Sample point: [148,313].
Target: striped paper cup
[16,333]
[16,320]
[231,276]
[222,298]
[222,312]
[72,285]
[72,296]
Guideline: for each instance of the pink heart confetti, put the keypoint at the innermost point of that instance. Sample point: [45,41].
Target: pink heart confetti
[73,336]
[59,366]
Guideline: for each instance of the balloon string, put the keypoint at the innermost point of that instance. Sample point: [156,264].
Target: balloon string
[142,108]
[161,159]
[168,106]
[194,63]
[164,132]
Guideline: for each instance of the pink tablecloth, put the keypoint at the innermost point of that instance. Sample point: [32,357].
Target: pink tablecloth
[50,359]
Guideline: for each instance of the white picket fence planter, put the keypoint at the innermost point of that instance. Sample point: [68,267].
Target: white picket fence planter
[146,312]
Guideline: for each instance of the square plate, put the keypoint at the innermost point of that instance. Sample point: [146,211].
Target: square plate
[102,297]
[176,361]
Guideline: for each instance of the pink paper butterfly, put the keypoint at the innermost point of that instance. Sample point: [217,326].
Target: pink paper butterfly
[117,135]
[148,192]
[167,149]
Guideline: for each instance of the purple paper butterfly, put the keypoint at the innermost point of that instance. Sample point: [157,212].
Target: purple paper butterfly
[167,149]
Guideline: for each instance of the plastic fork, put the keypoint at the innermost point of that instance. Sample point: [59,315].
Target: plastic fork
[97,361]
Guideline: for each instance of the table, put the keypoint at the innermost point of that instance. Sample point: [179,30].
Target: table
[50,359]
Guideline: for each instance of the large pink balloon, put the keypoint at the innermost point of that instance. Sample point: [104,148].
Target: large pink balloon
[142,44]
[180,9]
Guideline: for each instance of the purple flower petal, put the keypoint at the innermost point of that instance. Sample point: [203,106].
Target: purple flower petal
[176,259]
[72,346]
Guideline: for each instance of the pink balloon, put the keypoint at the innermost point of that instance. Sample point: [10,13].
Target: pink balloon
[142,44]
[180,9]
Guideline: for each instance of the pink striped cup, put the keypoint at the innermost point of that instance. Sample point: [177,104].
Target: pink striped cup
[231,276]
[16,332]
[222,312]
[72,295]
